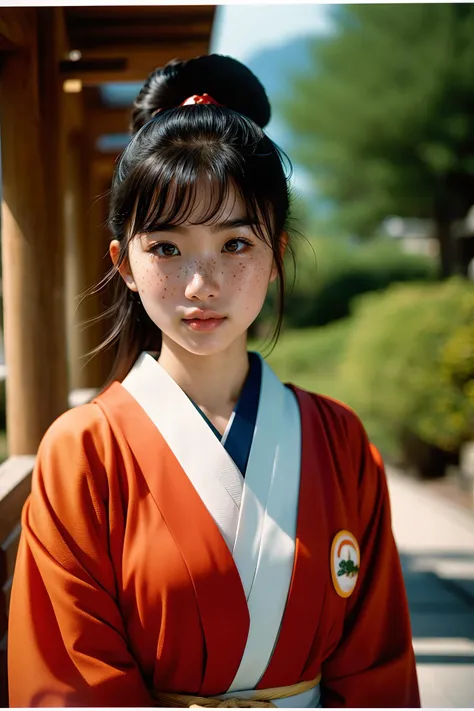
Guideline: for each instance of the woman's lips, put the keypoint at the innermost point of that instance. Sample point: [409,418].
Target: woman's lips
[200,324]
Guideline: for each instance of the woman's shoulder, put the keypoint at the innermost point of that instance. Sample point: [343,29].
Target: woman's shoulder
[344,430]
[84,426]
[329,410]
[74,461]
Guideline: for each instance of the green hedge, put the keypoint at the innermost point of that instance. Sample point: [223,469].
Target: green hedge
[3,405]
[310,357]
[408,368]
[331,273]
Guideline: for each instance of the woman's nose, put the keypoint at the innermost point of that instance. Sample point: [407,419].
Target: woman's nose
[203,285]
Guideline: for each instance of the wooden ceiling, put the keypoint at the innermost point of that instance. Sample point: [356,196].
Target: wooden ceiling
[125,43]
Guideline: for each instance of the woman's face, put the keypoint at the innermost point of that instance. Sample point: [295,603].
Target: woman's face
[201,284]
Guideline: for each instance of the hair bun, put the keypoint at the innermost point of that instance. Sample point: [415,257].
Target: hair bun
[227,80]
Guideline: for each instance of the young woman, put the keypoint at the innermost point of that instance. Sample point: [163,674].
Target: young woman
[201,530]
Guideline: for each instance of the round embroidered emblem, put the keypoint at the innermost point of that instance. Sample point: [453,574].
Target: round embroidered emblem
[345,563]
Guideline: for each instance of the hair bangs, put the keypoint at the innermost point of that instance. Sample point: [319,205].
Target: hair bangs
[195,186]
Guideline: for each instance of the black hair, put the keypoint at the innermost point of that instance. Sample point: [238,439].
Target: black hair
[172,149]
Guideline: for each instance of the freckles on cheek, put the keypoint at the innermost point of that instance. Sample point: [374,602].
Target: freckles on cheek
[170,285]
[254,271]
[153,284]
[144,279]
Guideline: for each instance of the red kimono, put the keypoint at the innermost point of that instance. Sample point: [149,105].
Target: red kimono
[126,580]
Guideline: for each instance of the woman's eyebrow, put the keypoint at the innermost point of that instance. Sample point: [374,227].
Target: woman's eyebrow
[214,227]
[233,224]
[163,227]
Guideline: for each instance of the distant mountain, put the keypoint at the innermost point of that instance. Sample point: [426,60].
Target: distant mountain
[276,66]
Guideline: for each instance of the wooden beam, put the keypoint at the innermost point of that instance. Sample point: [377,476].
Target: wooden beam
[6,44]
[105,121]
[145,37]
[150,53]
[70,69]
[62,38]
[138,62]
[103,167]
[16,27]
[32,245]
[97,35]
[95,27]
[80,14]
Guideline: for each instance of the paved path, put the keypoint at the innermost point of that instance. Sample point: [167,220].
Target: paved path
[436,542]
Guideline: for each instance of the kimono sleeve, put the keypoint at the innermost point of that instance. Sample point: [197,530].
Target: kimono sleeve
[67,645]
[374,663]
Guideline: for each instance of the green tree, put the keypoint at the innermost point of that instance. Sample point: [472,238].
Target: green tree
[385,122]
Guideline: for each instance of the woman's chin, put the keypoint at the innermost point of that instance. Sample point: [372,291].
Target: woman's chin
[206,344]
[207,349]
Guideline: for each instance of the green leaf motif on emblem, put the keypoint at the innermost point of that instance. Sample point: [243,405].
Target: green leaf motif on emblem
[347,567]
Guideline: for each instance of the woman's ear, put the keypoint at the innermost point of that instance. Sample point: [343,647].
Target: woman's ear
[124,269]
[283,242]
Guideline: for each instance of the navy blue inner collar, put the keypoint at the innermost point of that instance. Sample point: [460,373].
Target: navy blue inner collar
[239,434]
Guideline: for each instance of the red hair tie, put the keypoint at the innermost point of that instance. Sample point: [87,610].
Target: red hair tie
[195,99]
[200,99]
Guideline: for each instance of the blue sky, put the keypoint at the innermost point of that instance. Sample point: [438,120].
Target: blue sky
[244,30]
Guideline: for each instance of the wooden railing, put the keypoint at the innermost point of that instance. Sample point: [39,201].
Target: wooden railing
[15,485]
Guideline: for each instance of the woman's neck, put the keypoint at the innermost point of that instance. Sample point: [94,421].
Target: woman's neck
[213,382]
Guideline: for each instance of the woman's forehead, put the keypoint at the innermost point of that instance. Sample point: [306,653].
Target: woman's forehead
[208,204]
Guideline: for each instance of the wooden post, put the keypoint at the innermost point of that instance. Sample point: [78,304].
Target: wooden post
[32,242]
[86,253]
[99,263]
[76,235]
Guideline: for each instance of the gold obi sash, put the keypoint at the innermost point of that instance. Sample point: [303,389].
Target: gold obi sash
[261,698]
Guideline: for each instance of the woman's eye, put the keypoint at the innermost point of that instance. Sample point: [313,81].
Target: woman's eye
[165,250]
[236,245]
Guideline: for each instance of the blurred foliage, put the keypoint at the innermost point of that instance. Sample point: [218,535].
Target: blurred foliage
[3,405]
[331,272]
[310,358]
[3,446]
[385,122]
[409,364]
[404,362]
[3,422]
